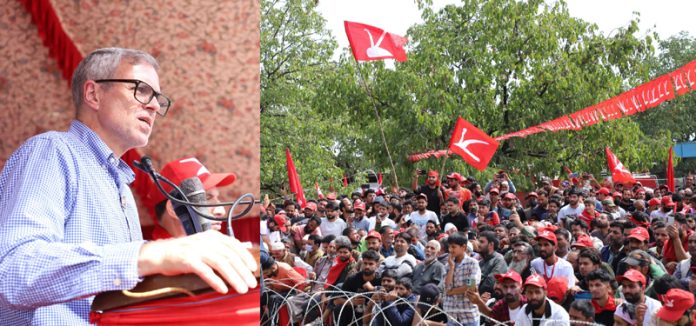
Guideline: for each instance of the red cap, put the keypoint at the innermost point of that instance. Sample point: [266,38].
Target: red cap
[639,233]
[674,303]
[456,176]
[280,220]
[639,190]
[510,275]
[188,167]
[311,205]
[494,190]
[374,234]
[433,173]
[667,201]
[536,280]
[604,191]
[331,196]
[359,205]
[510,195]
[557,288]
[532,194]
[633,276]
[548,235]
[617,194]
[583,241]
[653,202]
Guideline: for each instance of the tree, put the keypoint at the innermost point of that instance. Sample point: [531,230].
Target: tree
[675,119]
[503,65]
[295,51]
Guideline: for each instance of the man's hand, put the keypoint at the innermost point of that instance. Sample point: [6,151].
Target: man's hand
[369,287]
[474,297]
[672,231]
[640,312]
[203,254]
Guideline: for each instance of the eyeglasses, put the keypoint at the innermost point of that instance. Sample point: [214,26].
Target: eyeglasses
[144,93]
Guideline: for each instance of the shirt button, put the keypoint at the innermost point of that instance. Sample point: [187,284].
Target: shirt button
[117,282]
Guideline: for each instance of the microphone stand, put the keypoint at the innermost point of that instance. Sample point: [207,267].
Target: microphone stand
[146,166]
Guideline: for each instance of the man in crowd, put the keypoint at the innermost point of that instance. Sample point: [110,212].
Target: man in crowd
[600,286]
[350,306]
[401,261]
[502,310]
[638,309]
[455,215]
[539,310]
[492,262]
[548,265]
[422,215]
[430,270]
[431,190]
[332,224]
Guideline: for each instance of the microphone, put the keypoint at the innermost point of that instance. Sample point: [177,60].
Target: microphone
[194,193]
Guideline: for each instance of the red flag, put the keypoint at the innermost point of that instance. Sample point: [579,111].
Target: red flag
[372,43]
[670,171]
[619,173]
[379,179]
[472,144]
[294,180]
[345,181]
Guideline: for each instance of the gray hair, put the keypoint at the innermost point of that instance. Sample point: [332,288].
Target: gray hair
[435,244]
[102,64]
[343,242]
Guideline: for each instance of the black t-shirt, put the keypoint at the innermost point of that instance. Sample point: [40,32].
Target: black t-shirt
[355,283]
[433,198]
[459,220]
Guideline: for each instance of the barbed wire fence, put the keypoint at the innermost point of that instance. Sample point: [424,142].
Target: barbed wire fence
[314,308]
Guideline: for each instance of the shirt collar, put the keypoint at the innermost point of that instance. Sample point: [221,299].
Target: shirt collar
[547,311]
[101,151]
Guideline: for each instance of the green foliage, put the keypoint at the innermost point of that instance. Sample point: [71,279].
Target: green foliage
[503,65]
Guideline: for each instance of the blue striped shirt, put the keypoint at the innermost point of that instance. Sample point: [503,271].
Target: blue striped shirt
[69,228]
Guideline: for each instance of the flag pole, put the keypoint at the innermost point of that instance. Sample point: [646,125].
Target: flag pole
[442,169]
[379,120]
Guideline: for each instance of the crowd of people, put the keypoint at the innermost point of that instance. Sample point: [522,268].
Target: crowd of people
[453,251]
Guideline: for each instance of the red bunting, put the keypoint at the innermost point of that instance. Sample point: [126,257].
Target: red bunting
[428,154]
[641,98]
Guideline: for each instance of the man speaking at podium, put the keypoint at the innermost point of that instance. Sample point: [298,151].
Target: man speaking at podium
[69,227]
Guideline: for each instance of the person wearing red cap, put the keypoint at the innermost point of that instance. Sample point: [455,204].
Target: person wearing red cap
[168,224]
[508,206]
[455,190]
[359,221]
[431,189]
[676,308]
[548,265]
[666,210]
[539,307]
[374,242]
[502,310]
[638,309]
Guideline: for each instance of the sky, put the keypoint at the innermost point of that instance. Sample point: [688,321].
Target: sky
[666,17]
